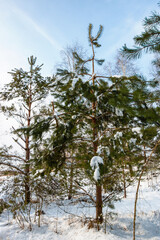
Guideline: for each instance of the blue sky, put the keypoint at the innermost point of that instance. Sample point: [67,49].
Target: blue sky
[43,27]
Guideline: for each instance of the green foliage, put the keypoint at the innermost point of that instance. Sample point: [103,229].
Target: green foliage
[3,205]
[22,97]
[147,41]
[94,40]
[121,104]
[100,61]
[92,114]
[39,127]
[25,84]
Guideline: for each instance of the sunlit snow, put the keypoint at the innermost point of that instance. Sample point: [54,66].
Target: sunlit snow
[95,161]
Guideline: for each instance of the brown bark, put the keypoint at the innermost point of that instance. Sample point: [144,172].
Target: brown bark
[71,182]
[99,213]
[136,197]
[124,182]
[27,177]
[135,206]
[27,147]
[146,161]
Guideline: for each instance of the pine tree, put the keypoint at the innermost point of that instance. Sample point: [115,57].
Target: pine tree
[25,92]
[147,41]
[90,114]
[93,107]
[122,66]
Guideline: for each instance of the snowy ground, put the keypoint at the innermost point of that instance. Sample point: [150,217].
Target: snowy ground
[58,224]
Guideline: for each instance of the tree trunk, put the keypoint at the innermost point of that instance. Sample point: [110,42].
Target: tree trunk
[124,182]
[27,164]
[71,182]
[146,161]
[27,177]
[135,206]
[99,214]
[27,190]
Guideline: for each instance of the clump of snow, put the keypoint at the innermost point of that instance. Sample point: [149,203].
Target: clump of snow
[39,171]
[96,174]
[95,161]
[119,112]
[52,174]
[107,150]
[118,135]
[117,76]
[132,141]
[137,130]
[99,150]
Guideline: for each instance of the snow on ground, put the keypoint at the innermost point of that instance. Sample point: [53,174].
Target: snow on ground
[58,224]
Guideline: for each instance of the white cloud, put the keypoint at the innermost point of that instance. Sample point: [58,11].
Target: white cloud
[28,20]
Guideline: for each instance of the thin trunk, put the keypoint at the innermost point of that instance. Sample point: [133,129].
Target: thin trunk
[135,206]
[99,213]
[27,167]
[146,161]
[71,182]
[27,143]
[124,181]
[136,197]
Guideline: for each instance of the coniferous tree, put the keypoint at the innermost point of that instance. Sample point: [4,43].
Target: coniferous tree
[92,108]
[25,92]
[122,66]
[93,112]
[70,168]
[148,40]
